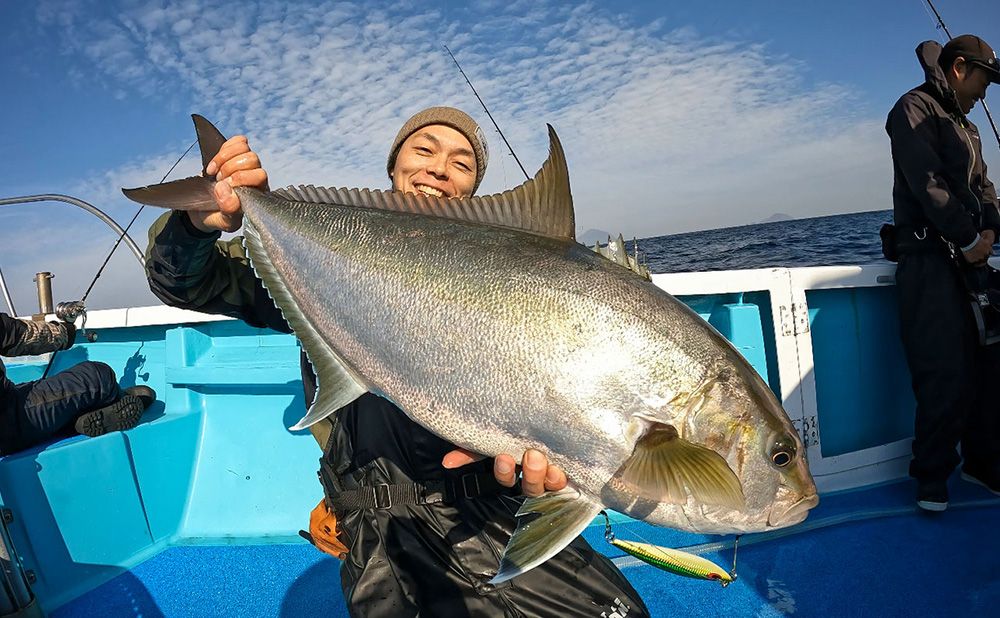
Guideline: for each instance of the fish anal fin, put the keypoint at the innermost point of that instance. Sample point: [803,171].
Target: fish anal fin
[556,519]
[665,468]
[336,383]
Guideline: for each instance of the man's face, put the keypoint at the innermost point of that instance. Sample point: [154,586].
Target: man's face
[437,161]
[969,83]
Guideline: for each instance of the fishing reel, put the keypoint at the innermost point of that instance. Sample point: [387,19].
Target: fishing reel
[73,310]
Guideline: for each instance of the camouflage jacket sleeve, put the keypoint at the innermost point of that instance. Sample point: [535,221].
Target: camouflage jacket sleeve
[191,269]
[24,337]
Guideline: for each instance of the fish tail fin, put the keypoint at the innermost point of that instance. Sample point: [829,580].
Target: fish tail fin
[194,193]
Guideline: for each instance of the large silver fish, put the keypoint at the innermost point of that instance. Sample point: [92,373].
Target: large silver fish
[485,322]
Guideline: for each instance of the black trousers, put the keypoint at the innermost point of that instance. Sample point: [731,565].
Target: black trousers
[954,378]
[436,559]
[34,411]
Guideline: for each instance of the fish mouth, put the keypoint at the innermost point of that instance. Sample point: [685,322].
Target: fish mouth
[794,514]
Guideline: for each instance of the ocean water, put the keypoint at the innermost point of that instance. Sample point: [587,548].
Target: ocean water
[821,241]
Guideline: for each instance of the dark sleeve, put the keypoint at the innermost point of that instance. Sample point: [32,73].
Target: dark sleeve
[191,269]
[12,333]
[24,337]
[991,207]
[913,137]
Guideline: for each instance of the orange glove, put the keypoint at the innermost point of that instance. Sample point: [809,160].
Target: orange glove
[323,531]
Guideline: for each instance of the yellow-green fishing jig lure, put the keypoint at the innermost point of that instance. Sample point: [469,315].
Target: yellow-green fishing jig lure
[673,560]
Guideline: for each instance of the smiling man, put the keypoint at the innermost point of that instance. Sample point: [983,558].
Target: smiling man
[947,219]
[419,523]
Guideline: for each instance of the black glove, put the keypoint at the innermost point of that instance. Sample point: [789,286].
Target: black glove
[70,334]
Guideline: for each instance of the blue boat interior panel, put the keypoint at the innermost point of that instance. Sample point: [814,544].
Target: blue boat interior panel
[91,481]
[163,454]
[863,393]
[248,462]
[745,320]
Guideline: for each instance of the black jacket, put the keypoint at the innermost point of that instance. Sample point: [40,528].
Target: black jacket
[939,174]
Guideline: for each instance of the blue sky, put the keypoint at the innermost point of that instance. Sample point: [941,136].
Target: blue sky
[675,115]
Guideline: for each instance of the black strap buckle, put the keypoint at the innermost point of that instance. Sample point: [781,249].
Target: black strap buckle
[470,486]
[383,499]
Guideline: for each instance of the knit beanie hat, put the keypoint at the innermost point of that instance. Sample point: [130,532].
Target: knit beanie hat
[451,117]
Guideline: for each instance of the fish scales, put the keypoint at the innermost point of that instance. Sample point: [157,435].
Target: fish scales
[538,318]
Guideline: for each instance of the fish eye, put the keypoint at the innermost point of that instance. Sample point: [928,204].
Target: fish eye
[782,451]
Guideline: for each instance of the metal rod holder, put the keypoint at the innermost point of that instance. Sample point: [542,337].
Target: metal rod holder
[43,281]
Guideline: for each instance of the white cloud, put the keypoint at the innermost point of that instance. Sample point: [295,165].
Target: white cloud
[665,130]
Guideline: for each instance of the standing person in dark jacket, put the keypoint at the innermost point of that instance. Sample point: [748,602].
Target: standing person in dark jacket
[947,219]
[419,524]
[86,395]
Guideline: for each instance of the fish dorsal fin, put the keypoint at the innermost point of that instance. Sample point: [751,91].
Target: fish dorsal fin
[665,467]
[542,205]
[336,383]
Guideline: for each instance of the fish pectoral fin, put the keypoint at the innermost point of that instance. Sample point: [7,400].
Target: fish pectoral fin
[664,467]
[336,383]
[556,518]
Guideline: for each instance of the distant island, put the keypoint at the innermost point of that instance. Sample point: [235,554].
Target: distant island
[778,216]
[592,236]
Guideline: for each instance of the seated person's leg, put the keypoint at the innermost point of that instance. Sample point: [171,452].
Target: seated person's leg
[46,407]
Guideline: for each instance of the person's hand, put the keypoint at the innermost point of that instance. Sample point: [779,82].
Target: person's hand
[982,250]
[234,166]
[537,475]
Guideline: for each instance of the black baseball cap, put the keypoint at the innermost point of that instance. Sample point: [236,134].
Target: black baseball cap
[974,50]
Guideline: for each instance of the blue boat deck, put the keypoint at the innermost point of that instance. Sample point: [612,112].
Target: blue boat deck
[861,553]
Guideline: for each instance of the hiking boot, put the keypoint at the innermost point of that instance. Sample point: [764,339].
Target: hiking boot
[932,495]
[990,481]
[146,394]
[118,416]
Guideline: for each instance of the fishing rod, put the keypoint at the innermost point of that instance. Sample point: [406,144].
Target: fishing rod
[487,112]
[70,311]
[989,116]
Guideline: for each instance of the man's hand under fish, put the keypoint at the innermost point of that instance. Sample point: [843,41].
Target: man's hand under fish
[236,165]
[537,476]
